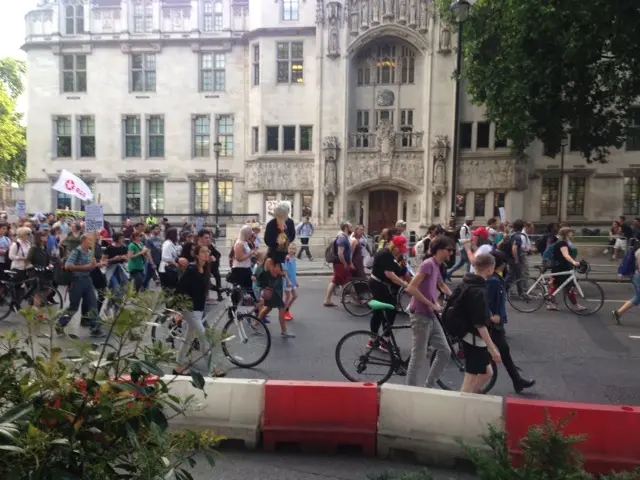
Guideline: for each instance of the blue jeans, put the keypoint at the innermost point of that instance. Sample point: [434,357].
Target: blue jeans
[635,283]
[464,259]
[82,290]
[149,274]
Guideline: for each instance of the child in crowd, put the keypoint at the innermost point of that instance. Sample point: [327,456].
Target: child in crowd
[272,286]
[256,273]
[291,287]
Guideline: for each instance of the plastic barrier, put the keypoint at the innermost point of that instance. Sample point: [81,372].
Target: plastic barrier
[324,415]
[613,433]
[429,423]
[233,407]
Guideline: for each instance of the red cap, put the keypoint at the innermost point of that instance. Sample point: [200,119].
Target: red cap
[481,232]
[400,243]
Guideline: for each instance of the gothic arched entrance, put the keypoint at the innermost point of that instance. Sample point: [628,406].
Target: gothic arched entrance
[383,210]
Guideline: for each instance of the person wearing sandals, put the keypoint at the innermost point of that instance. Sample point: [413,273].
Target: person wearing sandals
[194,284]
[271,283]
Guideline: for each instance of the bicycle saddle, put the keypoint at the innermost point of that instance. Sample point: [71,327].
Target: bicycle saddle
[376,305]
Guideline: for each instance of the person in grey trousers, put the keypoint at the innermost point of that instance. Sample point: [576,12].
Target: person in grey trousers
[425,327]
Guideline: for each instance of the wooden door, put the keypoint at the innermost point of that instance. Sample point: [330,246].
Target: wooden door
[383,210]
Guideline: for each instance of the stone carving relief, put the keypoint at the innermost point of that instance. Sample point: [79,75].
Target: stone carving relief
[492,174]
[320,12]
[268,175]
[360,15]
[444,44]
[440,148]
[333,17]
[385,141]
[385,98]
[365,167]
[409,167]
[330,147]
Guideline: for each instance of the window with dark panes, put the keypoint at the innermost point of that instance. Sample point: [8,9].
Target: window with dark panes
[483,135]
[631,196]
[256,64]
[273,139]
[549,200]
[143,72]
[498,202]
[132,197]
[87,128]
[132,137]
[63,201]
[63,137]
[408,65]
[362,128]
[575,196]
[290,10]
[465,134]
[201,136]
[74,73]
[289,62]
[225,134]
[479,202]
[74,19]
[255,140]
[306,139]
[155,136]
[289,133]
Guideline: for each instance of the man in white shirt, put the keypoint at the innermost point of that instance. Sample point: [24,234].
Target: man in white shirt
[465,238]
[527,247]
[480,236]
[492,225]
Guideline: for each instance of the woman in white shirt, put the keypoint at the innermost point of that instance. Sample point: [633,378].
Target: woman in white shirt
[18,252]
[168,269]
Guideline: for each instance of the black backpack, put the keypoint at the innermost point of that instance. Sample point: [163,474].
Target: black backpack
[506,246]
[455,315]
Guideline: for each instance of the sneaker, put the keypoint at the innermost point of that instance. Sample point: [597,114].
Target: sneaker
[552,308]
[60,330]
[288,317]
[97,333]
[287,335]
[616,317]
[370,344]
[383,347]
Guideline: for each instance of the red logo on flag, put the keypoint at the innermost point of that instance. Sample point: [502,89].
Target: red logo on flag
[69,185]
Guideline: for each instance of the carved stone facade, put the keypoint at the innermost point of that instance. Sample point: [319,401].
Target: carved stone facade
[483,174]
[264,175]
[440,148]
[366,14]
[331,149]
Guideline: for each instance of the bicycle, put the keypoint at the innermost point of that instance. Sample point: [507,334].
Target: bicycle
[247,327]
[534,295]
[34,293]
[376,351]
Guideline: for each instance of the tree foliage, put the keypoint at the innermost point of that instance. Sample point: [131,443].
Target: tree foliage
[13,141]
[546,68]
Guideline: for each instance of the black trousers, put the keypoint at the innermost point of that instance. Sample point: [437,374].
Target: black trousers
[500,341]
[304,248]
[382,293]
[215,273]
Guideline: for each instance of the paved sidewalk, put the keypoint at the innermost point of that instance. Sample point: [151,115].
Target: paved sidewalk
[289,466]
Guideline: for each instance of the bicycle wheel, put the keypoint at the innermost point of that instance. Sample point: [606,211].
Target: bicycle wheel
[526,295]
[168,331]
[453,374]
[367,363]
[246,334]
[586,299]
[403,301]
[356,297]
[48,293]
[5,302]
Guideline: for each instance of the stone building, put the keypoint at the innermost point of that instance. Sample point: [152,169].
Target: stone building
[345,108]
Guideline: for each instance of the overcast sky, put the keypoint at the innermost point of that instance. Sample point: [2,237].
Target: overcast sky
[12,14]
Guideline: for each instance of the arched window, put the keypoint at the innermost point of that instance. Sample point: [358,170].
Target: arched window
[74,19]
[379,64]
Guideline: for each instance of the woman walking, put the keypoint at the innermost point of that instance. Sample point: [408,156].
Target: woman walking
[241,271]
[194,284]
[18,253]
[168,268]
[116,276]
[635,301]
[137,255]
[38,258]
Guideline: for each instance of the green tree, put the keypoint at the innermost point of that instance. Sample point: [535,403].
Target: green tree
[13,139]
[545,68]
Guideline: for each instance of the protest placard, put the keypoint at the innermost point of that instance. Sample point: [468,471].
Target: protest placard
[94,218]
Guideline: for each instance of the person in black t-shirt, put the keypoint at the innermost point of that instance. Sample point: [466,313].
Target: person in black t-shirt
[386,273]
[563,262]
[116,255]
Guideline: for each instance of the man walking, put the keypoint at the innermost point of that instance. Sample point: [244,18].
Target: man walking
[465,238]
[342,266]
[304,233]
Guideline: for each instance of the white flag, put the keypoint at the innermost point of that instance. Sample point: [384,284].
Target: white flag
[71,185]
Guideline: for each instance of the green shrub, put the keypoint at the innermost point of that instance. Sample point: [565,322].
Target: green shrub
[68,414]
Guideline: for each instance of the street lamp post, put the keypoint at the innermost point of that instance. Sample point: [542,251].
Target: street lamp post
[563,144]
[460,9]
[217,146]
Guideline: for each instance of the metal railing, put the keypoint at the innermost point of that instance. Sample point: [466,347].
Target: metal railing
[367,141]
